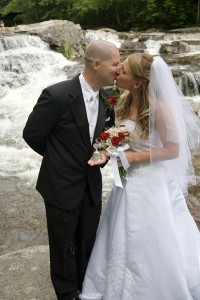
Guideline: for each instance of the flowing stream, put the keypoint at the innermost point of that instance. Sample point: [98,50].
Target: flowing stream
[27,66]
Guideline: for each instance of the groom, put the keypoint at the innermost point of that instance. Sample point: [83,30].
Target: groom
[62,127]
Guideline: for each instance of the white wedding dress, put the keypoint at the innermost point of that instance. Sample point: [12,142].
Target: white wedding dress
[147,245]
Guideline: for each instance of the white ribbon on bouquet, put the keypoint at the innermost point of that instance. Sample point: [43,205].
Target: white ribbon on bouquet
[119,152]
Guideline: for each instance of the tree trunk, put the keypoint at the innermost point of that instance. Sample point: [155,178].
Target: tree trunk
[198,12]
[37,11]
[119,22]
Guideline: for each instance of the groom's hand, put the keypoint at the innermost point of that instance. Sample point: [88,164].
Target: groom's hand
[104,155]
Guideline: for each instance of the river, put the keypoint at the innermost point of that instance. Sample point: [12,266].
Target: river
[27,66]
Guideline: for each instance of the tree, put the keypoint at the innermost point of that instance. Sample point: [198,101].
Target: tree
[3,3]
[121,15]
[55,9]
[26,11]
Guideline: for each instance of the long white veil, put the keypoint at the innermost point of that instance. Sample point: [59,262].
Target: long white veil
[171,114]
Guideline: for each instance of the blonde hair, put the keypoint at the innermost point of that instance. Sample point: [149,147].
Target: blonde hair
[140,65]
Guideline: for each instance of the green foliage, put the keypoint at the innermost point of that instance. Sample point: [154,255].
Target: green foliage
[27,11]
[118,14]
[152,14]
[177,14]
[55,9]
[66,50]
[3,3]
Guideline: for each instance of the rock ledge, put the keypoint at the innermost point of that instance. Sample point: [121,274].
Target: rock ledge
[24,275]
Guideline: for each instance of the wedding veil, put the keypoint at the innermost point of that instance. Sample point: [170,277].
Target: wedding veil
[182,126]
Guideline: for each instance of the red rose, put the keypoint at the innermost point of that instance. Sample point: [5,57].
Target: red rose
[115,141]
[112,100]
[121,135]
[104,136]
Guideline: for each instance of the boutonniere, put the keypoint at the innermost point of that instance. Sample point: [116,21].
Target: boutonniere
[109,102]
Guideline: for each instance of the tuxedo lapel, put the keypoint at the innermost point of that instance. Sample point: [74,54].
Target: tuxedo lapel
[100,119]
[79,112]
[78,109]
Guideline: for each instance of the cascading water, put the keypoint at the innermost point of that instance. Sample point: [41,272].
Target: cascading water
[27,66]
[92,35]
[190,83]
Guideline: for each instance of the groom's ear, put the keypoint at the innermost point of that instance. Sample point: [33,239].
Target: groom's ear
[96,63]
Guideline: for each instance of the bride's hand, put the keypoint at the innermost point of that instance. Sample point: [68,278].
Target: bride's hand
[130,155]
[105,156]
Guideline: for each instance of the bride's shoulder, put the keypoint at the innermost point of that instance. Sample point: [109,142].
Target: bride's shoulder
[129,124]
[127,121]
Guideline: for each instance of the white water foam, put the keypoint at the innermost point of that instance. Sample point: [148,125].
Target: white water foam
[26,70]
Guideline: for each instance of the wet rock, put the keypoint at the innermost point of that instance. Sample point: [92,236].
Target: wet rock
[22,216]
[24,275]
[176,47]
[62,35]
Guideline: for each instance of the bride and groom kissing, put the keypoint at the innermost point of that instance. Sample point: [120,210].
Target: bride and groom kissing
[147,243]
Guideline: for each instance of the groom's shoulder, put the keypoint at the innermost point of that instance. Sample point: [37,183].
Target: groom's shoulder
[63,85]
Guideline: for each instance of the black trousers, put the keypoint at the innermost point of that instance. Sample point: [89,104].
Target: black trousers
[71,238]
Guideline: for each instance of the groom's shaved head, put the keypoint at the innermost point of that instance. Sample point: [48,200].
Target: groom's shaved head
[99,50]
[101,64]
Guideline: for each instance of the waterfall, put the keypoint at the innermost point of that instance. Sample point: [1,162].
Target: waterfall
[92,35]
[153,46]
[182,36]
[27,66]
[190,83]
[22,58]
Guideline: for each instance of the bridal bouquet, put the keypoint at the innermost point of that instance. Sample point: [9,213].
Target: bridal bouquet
[114,140]
[113,137]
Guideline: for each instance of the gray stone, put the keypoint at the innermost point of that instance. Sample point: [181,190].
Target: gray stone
[195,105]
[22,212]
[176,47]
[24,275]
[22,216]
[62,35]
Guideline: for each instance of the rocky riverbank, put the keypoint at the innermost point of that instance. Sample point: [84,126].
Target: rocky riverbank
[24,275]
[24,263]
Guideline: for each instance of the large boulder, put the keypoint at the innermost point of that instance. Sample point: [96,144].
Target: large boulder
[62,35]
[175,47]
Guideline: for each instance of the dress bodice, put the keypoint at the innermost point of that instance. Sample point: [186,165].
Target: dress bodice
[137,143]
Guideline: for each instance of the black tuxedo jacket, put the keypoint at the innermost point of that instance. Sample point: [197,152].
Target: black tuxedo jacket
[58,129]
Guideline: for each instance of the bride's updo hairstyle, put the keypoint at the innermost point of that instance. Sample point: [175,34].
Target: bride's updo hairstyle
[140,65]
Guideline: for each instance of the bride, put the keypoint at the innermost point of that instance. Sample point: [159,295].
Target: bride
[148,245]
